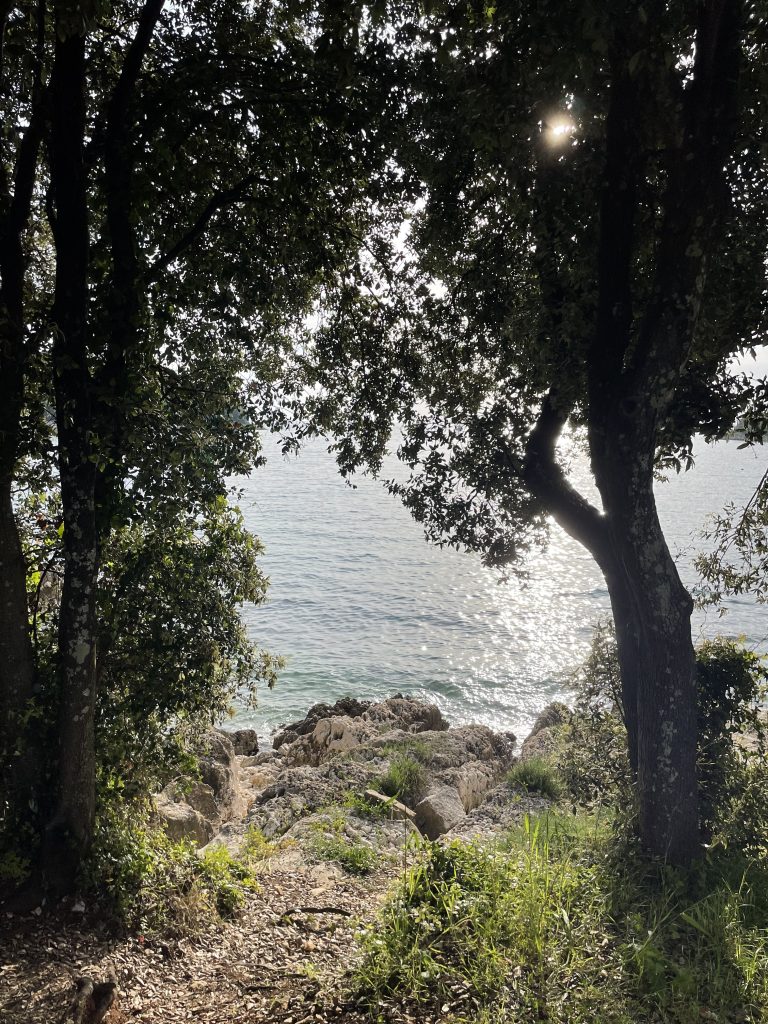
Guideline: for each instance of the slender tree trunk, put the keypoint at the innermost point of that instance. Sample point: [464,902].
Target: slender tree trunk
[70,830]
[651,607]
[18,763]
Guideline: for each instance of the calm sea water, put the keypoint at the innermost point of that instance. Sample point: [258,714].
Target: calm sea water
[361,604]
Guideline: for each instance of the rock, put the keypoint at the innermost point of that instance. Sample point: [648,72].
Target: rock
[219,770]
[325,876]
[439,811]
[323,734]
[181,821]
[348,707]
[544,744]
[453,748]
[299,791]
[244,741]
[500,810]
[383,835]
[407,714]
[201,798]
[553,714]
[258,777]
[472,781]
[543,739]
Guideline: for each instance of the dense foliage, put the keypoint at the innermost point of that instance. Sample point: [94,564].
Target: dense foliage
[592,757]
[585,248]
[178,183]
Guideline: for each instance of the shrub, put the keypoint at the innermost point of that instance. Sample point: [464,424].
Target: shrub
[406,778]
[157,886]
[594,764]
[536,775]
[161,687]
[365,808]
[257,848]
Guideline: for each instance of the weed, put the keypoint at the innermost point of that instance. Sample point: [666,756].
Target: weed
[256,848]
[330,842]
[227,879]
[536,775]
[365,808]
[417,749]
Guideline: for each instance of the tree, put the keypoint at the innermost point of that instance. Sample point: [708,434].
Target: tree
[177,184]
[585,252]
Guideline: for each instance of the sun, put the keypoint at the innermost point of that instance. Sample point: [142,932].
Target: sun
[558,131]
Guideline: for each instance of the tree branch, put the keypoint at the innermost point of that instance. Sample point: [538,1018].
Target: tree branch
[219,201]
[694,204]
[124,297]
[618,207]
[134,58]
[545,479]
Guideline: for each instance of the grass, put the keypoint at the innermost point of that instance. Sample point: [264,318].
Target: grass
[569,925]
[406,778]
[364,807]
[417,749]
[536,775]
[330,842]
[256,848]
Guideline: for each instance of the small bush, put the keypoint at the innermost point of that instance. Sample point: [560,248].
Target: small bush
[257,848]
[157,886]
[14,869]
[227,879]
[731,682]
[536,775]
[365,808]
[406,779]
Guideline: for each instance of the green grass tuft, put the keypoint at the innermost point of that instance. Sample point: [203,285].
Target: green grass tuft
[330,842]
[536,776]
[406,778]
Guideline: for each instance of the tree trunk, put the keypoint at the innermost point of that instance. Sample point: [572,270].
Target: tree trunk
[70,830]
[652,615]
[18,761]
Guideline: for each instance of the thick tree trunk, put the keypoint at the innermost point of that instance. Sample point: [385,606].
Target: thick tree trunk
[652,614]
[652,610]
[70,830]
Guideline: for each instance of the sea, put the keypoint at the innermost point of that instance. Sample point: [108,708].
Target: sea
[361,604]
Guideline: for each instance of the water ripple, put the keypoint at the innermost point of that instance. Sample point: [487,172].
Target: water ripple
[360,604]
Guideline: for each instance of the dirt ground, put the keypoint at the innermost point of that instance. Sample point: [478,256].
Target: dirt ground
[284,958]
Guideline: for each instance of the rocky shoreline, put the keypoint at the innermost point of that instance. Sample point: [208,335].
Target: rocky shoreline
[341,762]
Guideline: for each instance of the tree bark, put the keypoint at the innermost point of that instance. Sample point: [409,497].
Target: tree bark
[652,615]
[18,763]
[651,608]
[69,831]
